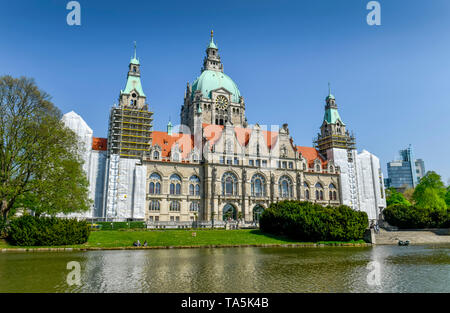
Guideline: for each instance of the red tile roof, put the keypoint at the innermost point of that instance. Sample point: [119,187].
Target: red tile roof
[100,144]
[310,154]
[165,141]
[213,133]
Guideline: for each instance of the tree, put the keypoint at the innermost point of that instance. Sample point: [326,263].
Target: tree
[408,194]
[430,192]
[447,197]
[40,163]
[395,197]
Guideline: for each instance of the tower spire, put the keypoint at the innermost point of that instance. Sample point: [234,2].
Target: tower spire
[135,49]
[212,59]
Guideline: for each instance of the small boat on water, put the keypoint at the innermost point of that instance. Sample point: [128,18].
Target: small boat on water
[403,243]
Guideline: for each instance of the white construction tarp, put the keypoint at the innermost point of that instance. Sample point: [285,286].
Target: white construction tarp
[370,184]
[76,123]
[126,188]
[97,168]
[94,163]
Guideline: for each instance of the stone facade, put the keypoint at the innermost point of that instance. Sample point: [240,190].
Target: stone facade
[241,179]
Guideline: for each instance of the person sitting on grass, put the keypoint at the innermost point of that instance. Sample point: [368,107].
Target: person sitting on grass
[145,243]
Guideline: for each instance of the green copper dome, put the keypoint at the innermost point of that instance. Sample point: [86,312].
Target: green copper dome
[133,83]
[134,61]
[332,116]
[211,80]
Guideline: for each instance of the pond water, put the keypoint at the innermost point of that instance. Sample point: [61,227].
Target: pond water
[328,269]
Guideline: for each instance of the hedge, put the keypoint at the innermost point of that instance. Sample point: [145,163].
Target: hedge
[404,217]
[47,231]
[119,225]
[307,221]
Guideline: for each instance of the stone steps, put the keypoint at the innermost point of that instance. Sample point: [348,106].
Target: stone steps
[385,237]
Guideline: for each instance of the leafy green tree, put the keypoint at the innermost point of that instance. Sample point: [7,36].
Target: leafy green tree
[430,192]
[447,197]
[408,193]
[40,164]
[395,197]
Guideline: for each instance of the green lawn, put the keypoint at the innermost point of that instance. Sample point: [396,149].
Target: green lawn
[117,238]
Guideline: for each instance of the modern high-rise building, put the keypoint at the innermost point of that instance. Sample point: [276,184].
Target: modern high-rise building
[406,172]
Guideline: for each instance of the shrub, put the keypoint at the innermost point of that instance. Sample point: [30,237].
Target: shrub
[119,225]
[404,216]
[47,231]
[312,222]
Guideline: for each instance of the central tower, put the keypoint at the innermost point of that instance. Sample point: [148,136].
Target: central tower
[213,98]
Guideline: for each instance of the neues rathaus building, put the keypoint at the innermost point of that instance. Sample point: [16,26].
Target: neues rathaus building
[217,165]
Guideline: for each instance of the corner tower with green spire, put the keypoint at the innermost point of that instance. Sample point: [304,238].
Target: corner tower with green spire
[130,126]
[333,133]
[214,97]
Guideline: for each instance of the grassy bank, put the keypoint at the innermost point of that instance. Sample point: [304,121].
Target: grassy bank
[178,238]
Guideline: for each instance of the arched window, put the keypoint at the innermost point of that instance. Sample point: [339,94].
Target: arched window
[197,190]
[155,176]
[319,191]
[332,193]
[194,207]
[156,155]
[285,187]
[317,168]
[229,184]
[174,206]
[258,185]
[175,184]
[306,186]
[151,188]
[194,186]
[155,184]
[154,205]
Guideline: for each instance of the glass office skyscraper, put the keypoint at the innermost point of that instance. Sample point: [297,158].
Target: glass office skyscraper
[406,172]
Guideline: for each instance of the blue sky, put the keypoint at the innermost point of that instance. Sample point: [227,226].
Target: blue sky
[391,82]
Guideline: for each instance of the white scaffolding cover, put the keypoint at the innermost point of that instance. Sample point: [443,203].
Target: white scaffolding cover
[126,188]
[94,163]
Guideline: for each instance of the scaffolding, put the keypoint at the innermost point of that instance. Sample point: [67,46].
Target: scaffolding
[130,132]
[129,137]
[347,141]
